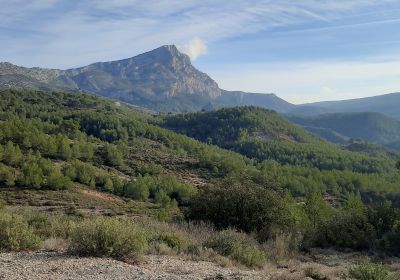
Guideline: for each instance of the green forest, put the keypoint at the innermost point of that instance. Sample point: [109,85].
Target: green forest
[243,168]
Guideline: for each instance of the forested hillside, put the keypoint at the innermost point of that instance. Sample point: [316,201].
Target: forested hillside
[286,182]
[264,135]
[62,134]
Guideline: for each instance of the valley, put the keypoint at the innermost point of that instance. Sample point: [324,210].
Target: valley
[230,186]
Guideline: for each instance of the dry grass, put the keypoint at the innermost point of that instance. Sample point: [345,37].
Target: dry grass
[55,244]
[280,247]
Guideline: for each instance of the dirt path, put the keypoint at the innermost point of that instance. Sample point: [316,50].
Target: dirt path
[57,266]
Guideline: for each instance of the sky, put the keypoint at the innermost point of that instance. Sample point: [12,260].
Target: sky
[303,51]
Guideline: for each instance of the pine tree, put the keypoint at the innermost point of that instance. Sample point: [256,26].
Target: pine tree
[12,154]
[113,155]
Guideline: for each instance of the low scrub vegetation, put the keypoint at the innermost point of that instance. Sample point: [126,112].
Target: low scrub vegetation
[16,234]
[369,271]
[105,237]
[242,204]
[237,246]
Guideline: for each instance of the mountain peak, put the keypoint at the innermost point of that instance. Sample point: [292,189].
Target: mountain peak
[171,48]
[167,54]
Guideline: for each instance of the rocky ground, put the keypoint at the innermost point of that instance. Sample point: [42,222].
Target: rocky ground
[43,265]
[60,266]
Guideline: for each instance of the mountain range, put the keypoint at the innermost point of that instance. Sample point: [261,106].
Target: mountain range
[341,127]
[165,80]
[387,104]
[162,79]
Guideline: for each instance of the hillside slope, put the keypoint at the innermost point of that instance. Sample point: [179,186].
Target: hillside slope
[230,124]
[264,135]
[89,142]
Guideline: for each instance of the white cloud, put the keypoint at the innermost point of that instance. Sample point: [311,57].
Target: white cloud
[194,48]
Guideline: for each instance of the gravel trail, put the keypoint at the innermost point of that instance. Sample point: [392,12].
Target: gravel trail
[59,266]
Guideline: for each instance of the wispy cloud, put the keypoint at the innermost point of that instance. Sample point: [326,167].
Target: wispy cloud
[112,29]
[299,47]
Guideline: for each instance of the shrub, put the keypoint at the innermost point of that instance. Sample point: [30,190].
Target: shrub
[346,229]
[174,240]
[242,204]
[237,246]
[137,190]
[108,237]
[52,226]
[16,234]
[282,245]
[313,273]
[369,271]
[390,242]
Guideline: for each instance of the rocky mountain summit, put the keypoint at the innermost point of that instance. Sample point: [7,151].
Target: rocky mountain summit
[162,79]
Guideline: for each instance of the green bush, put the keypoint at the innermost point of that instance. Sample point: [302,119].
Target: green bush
[346,229]
[390,242]
[138,189]
[174,240]
[108,237]
[242,204]
[16,234]
[237,246]
[369,271]
[52,226]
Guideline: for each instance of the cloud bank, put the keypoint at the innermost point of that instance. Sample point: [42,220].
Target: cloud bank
[194,48]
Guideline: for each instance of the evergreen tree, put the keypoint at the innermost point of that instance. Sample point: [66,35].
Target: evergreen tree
[316,209]
[137,190]
[64,150]
[113,156]
[57,181]
[32,175]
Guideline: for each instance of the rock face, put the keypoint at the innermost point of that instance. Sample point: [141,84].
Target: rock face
[162,79]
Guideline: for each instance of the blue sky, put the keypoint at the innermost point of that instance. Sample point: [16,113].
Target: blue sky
[303,51]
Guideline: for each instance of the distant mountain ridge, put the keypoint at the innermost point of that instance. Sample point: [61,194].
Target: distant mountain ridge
[371,127]
[387,104]
[162,79]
